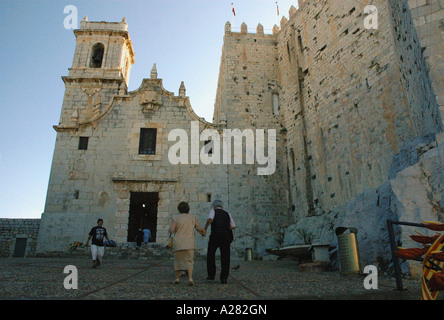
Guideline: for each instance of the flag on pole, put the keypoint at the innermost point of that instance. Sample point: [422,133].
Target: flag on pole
[234,11]
[277,7]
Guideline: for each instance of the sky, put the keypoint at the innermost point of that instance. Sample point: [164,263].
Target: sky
[183,37]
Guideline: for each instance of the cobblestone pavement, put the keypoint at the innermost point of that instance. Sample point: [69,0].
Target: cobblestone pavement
[135,279]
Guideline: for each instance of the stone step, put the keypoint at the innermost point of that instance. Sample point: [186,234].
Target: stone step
[131,251]
[124,251]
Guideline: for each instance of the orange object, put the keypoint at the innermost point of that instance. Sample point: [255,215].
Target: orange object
[424,239]
[411,254]
[434,226]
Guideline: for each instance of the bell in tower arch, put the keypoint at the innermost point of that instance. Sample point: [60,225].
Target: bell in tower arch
[97,55]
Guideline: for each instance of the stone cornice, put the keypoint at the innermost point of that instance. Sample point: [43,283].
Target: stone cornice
[87,32]
[133,179]
[83,79]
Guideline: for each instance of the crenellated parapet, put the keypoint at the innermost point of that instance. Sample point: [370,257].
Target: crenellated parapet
[244,30]
[293,11]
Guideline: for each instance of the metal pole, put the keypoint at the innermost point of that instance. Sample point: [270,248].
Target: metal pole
[396,267]
[409,224]
[393,248]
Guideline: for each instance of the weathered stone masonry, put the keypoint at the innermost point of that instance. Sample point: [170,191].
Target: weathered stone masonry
[343,101]
[364,93]
[16,230]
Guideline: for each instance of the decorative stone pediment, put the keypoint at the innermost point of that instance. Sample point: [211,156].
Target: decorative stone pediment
[150,101]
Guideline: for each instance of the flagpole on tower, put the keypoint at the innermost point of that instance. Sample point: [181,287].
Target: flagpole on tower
[234,14]
[277,8]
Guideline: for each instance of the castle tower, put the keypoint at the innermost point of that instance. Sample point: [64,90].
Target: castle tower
[100,69]
[247,98]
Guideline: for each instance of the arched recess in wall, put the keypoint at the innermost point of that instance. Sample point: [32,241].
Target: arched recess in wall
[97,52]
[275,103]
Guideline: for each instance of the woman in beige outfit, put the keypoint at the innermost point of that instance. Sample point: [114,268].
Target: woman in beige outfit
[183,242]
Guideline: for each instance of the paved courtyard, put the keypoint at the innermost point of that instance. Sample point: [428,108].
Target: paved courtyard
[136,279]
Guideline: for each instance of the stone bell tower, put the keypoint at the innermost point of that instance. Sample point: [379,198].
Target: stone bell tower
[100,69]
[98,76]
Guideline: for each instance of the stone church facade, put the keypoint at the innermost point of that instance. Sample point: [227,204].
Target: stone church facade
[342,101]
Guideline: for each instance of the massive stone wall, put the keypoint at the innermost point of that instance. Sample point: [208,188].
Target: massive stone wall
[23,229]
[428,17]
[386,92]
[424,113]
[351,97]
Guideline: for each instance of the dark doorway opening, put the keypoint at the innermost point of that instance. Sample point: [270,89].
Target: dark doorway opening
[20,248]
[143,214]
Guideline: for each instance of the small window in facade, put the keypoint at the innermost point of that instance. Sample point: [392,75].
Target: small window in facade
[209,146]
[83,143]
[147,143]
[76,194]
[97,55]
[208,197]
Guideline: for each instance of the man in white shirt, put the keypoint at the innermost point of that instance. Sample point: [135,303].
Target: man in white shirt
[222,224]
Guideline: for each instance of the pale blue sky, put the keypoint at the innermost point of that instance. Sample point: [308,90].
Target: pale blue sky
[184,39]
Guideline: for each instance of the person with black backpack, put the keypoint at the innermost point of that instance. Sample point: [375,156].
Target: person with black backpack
[97,234]
[222,225]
